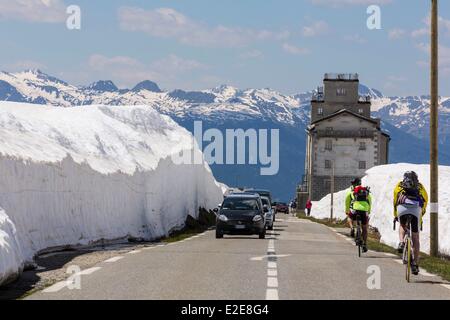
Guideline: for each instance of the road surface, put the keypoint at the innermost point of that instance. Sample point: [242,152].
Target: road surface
[298,260]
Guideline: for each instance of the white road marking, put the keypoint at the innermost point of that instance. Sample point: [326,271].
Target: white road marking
[62,284]
[272,282]
[89,271]
[270,256]
[272,272]
[56,287]
[114,259]
[272,294]
[425,273]
[134,252]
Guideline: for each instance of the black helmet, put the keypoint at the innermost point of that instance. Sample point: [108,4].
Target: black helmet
[410,180]
[356,182]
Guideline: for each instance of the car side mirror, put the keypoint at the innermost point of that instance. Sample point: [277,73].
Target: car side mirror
[216,210]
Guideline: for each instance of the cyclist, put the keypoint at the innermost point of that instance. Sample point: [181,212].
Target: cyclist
[358,202]
[410,198]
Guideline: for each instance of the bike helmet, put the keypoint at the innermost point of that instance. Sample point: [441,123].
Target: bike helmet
[410,180]
[356,182]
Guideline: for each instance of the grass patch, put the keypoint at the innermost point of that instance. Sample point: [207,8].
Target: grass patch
[206,219]
[182,234]
[436,265]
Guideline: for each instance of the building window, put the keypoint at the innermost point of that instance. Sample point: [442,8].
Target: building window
[320,111]
[329,130]
[362,165]
[329,144]
[327,184]
[363,132]
[327,164]
[362,145]
[360,110]
[341,92]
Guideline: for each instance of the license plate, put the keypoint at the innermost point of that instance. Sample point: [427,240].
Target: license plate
[240,227]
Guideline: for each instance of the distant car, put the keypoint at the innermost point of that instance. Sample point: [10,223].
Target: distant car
[282,207]
[241,214]
[268,211]
[264,193]
[261,192]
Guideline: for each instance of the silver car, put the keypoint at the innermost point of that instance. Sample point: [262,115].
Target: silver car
[268,212]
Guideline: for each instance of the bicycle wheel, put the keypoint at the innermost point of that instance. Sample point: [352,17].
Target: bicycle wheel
[408,257]
[358,240]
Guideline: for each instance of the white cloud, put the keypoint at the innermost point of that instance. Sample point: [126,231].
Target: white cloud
[127,71]
[252,54]
[169,23]
[336,3]
[48,11]
[24,65]
[396,34]
[289,48]
[357,38]
[316,29]
[444,57]
[444,27]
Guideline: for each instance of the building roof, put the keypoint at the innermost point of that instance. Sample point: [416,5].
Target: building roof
[346,111]
[342,111]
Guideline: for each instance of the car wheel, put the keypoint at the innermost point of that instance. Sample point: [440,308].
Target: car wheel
[219,234]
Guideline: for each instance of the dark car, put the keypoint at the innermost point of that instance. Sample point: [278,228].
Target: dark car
[282,207]
[241,214]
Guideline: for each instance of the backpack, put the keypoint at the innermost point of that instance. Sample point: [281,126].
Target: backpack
[361,193]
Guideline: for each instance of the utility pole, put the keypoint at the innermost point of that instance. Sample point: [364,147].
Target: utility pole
[434,168]
[332,191]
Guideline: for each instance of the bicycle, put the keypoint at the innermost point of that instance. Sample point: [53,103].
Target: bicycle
[408,253]
[358,236]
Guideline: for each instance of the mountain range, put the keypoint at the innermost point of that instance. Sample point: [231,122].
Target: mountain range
[406,119]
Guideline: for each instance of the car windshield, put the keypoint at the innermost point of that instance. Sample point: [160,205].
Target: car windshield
[265,201]
[239,204]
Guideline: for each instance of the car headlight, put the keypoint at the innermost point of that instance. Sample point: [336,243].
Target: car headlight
[223,218]
[257,218]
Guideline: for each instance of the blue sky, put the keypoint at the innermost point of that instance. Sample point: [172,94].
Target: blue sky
[286,45]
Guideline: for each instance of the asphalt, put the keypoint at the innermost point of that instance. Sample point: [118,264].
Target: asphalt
[298,260]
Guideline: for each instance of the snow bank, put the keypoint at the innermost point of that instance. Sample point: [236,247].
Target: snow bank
[382,180]
[77,175]
[11,258]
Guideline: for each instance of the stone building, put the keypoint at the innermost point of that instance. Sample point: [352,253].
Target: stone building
[342,138]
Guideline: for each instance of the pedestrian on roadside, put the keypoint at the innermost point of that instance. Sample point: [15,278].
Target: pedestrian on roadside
[308,207]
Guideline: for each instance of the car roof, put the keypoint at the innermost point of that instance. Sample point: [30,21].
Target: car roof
[257,190]
[243,195]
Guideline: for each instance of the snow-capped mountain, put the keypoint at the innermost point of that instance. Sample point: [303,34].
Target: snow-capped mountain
[406,118]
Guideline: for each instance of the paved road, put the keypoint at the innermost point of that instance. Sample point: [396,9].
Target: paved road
[298,260]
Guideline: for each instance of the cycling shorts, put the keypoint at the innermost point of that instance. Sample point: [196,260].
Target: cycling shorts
[414,222]
[362,214]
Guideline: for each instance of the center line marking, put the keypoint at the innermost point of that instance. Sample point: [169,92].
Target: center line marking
[272,282]
[114,259]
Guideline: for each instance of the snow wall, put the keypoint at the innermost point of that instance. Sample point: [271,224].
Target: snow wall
[76,175]
[382,180]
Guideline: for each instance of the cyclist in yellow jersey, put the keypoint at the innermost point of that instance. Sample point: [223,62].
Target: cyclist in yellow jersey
[410,199]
